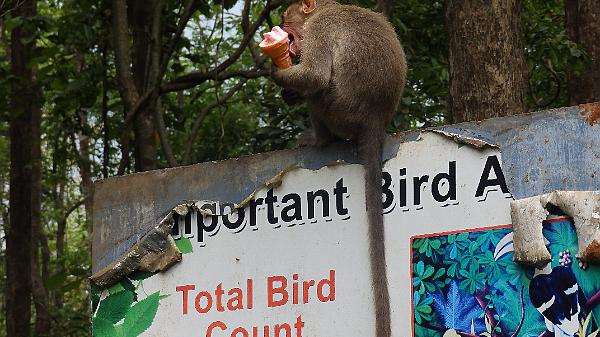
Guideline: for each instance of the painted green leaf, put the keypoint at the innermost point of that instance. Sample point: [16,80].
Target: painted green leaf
[184,245]
[114,307]
[116,288]
[139,318]
[103,328]
[127,285]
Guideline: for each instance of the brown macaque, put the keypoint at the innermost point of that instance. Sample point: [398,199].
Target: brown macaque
[351,75]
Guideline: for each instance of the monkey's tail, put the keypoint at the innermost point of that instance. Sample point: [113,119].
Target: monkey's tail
[370,152]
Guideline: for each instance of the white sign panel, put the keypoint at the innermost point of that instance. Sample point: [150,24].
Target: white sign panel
[294,262]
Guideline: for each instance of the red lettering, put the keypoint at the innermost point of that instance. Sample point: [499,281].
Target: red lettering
[286,327]
[198,304]
[295,289]
[215,324]
[249,292]
[184,300]
[307,285]
[299,325]
[235,332]
[330,283]
[219,293]
[272,290]
[237,299]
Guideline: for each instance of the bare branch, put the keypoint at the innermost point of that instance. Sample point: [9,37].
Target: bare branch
[258,58]
[197,77]
[189,10]
[122,54]
[162,132]
[202,115]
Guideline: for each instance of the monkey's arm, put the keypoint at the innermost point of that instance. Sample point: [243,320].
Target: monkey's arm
[303,78]
[314,71]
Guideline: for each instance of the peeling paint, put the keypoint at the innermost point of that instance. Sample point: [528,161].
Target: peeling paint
[591,112]
[155,251]
[463,139]
[528,214]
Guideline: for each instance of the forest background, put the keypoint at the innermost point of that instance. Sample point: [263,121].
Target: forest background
[93,89]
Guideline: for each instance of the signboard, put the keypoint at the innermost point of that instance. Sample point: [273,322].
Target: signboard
[294,261]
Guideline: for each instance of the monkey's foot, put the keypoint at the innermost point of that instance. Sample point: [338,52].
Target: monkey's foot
[306,138]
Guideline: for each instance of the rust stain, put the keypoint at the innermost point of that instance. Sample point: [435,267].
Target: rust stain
[592,252]
[591,112]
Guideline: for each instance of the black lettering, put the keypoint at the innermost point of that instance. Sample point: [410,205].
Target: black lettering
[270,200]
[485,181]
[175,230]
[312,197]
[417,182]
[214,221]
[237,224]
[451,178]
[388,195]
[254,203]
[402,188]
[339,192]
[295,206]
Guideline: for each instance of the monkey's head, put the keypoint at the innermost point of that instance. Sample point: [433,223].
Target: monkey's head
[294,18]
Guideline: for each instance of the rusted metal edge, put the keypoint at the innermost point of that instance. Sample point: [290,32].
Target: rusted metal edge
[155,251]
[528,214]
[463,139]
[591,111]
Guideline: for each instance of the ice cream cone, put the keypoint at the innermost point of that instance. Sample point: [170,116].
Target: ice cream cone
[276,46]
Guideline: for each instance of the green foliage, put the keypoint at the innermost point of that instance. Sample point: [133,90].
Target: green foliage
[550,54]
[75,67]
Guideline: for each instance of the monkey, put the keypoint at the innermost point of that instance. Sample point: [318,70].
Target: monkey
[351,75]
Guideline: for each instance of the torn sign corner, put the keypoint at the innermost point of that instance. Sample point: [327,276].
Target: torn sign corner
[462,139]
[528,214]
[156,251]
[591,111]
[529,244]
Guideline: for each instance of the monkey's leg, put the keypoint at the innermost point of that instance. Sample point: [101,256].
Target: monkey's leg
[318,135]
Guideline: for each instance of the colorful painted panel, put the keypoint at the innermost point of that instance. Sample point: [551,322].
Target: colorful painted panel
[465,284]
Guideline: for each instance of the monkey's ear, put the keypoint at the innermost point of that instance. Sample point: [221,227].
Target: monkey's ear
[308,6]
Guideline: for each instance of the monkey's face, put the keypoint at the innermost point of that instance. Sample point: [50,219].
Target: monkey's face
[293,23]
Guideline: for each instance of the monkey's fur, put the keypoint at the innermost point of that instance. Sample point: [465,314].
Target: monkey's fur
[351,74]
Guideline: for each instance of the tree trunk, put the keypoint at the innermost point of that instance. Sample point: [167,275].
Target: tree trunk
[488,73]
[583,27]
[144,70]
[24,128]
[40,293]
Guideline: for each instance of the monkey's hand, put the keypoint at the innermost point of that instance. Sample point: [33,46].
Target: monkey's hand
[280,76]
[276,75]
[291,97]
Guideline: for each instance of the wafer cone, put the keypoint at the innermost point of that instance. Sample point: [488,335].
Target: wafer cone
[278,52]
